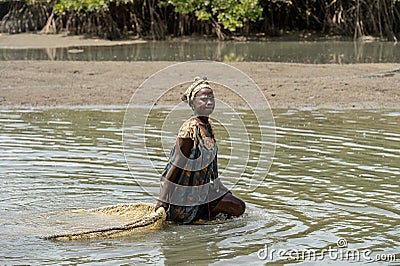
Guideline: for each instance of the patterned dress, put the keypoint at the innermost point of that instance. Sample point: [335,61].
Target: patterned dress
[183,209]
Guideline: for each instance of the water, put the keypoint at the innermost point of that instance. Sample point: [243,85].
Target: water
[335,175]
[318,52]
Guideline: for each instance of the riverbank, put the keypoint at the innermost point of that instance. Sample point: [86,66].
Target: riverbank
[43,41]
[70,83]
[37,40]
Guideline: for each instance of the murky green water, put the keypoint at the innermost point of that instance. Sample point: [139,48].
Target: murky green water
[335,175]
[319,52]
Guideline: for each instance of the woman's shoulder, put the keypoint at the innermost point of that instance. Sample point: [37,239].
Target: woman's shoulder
[189,128]
[190,123]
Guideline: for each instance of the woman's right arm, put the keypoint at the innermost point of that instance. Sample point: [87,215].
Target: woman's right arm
[185,145]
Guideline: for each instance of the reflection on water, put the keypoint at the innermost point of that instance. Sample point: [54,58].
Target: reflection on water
[321,52]
[335,175]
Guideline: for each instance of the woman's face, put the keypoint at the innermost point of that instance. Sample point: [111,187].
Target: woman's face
[204,102]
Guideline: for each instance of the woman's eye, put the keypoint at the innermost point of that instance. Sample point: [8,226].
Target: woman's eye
[206,99]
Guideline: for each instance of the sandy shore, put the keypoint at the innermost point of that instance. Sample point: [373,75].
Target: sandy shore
[57,83]
[36,40]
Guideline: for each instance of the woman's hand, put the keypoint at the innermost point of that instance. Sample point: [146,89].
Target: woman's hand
[161,204]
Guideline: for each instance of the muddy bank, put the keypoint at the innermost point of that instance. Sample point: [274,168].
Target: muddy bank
[57,83]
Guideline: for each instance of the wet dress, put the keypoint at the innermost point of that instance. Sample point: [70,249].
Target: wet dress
[189,205]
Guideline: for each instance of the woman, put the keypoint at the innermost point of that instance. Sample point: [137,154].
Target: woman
[190,188]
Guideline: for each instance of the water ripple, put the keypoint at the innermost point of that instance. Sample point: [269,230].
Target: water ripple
[335,174]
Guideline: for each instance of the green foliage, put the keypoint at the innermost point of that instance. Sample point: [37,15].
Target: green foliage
[232,14]
[86,5]
[156,18]
[31,2]
[80,6]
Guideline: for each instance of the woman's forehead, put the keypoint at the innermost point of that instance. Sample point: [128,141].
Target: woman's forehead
[205,91]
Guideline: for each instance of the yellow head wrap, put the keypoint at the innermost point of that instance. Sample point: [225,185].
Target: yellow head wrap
[197,85]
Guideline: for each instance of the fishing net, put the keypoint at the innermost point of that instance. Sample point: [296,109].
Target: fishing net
[136,217]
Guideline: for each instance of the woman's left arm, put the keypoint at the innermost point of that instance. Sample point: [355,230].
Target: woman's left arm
[217,180]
